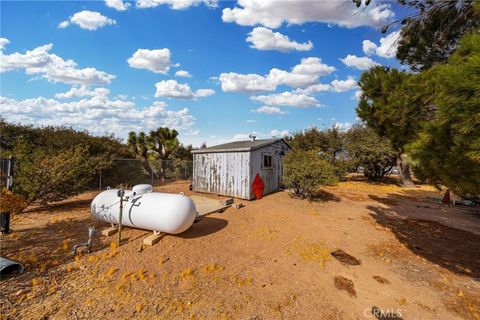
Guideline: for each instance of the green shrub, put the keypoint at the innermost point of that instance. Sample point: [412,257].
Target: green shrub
[305,172]
[41,177]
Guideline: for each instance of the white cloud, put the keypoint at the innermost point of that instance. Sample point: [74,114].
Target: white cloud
[89,20]
[357,95]
[344,85]
[388,46]
[269,110]
[342,126]
[361,63]
[173,89]
[83,91]
[272,13]
[175,4]
[183,73]
[306,73]
[251,121]
[315,88]
[298,100]
[279,134]
[247,83]
[52,67]
[3,43]
[157,60]
[200,93]
[117,4]
[368,47]
[265,39]
[97,114]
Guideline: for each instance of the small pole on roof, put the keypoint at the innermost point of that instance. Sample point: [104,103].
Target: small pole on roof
[252,136]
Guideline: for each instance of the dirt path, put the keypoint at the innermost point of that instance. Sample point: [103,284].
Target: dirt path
[409,257]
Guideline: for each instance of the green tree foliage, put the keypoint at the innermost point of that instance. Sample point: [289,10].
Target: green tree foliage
[159,144]
[448,148]
[42,177]
[432,32]
[328,143]
[390,105]
[367,149]
[305,172]
[53,163]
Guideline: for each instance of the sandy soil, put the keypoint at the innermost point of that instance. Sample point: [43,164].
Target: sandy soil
[401,255]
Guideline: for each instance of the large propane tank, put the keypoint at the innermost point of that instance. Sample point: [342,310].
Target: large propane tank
[164,212]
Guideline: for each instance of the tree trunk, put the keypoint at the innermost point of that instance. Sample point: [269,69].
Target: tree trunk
[404,171]
[164,169]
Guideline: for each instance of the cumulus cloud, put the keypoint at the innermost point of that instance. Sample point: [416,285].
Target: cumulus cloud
[175,4]
[40,61]
[175,90]
[298,100]
[387,48]
[361,63]
[269,110]
[368,47]
[83,91]
[183,73]
[272,13]
[157,60]
[89,20]
[98,114]
[247,83]
[279,134]
[344,85]
[200,93]
[342,126]
[3,43]
[315,88]
[117,4]
[265,39]
[302,75]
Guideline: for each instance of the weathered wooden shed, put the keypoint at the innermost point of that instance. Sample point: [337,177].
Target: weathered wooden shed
[229,169]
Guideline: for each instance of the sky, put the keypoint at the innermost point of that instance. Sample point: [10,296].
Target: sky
[215,71]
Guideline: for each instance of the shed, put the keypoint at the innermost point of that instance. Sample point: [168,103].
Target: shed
[229,169]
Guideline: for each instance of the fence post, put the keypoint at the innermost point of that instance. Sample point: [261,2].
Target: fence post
[151,174]
[100,181]
[5,216]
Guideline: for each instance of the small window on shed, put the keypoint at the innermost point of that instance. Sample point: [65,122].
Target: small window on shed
[267,161]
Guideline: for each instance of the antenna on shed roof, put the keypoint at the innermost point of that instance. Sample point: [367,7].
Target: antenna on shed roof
[252,136]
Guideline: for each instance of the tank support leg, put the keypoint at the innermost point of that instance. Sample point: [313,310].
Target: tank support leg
[153,238]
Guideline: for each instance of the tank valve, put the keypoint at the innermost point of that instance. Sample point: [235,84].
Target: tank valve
[91,233]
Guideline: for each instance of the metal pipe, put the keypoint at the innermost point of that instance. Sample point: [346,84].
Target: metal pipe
[91,233]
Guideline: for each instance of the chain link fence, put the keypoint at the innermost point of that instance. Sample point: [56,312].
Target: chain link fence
[129,172]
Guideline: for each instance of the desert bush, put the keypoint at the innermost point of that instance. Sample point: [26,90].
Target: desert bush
[42,177]
[305,172]
[11,202]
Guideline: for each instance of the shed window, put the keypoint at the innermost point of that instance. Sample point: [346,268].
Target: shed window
[267,161]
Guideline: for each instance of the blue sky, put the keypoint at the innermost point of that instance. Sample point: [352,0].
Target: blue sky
[114,67]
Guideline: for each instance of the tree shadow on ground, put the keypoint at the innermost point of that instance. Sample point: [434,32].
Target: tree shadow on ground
[320,196]
[204,227]
[454,249]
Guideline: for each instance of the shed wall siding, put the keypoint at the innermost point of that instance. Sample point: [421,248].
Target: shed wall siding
[225,173]
[271,177]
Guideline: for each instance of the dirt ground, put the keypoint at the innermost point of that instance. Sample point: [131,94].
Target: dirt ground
[398,254]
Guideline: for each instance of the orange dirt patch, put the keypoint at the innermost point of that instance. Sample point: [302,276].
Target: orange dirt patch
[270,260]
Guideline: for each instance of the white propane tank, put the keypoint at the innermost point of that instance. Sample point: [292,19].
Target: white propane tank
[164,212]
[142,188]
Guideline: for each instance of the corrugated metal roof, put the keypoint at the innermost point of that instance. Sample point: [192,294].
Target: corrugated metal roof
[240,146]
